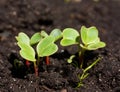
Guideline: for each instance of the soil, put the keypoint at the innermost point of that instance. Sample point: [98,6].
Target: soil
[32,16]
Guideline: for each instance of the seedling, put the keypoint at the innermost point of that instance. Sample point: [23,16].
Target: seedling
[90,41]
[45,46]
[87,39]
[85,73]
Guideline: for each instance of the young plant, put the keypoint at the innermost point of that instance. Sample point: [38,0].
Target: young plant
[45,46]
[85,73]
[90,41]
[87,39]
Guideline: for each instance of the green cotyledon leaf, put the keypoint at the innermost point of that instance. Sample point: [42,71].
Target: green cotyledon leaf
[27,52]
[35,38]
[56,33]
[43,34]
[23,38]
[69,37]
[89,35]
[46,46]
[96,46]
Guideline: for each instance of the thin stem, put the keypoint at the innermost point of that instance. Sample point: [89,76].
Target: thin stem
[85,74]
[47,60]
[90,66]
[38,61]
[27,63]
[81,57]
[36,69]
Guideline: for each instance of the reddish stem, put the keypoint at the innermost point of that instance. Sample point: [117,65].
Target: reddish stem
[27,63]
[36,71]
[47,60]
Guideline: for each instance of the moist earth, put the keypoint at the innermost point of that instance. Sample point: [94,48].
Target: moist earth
[32,16]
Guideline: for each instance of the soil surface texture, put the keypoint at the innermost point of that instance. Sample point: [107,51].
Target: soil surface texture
[32,16]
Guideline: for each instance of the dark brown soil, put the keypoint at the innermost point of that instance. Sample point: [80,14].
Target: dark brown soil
[31,16]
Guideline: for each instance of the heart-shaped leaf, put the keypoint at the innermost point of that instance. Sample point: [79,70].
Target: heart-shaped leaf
[46,46]
[27,52]
[89,35]
[56,33]
[35,38]
[70,36]
[23,38]
[96,46]
[43,34]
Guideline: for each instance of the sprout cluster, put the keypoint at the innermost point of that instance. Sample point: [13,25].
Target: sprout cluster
[85,39]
